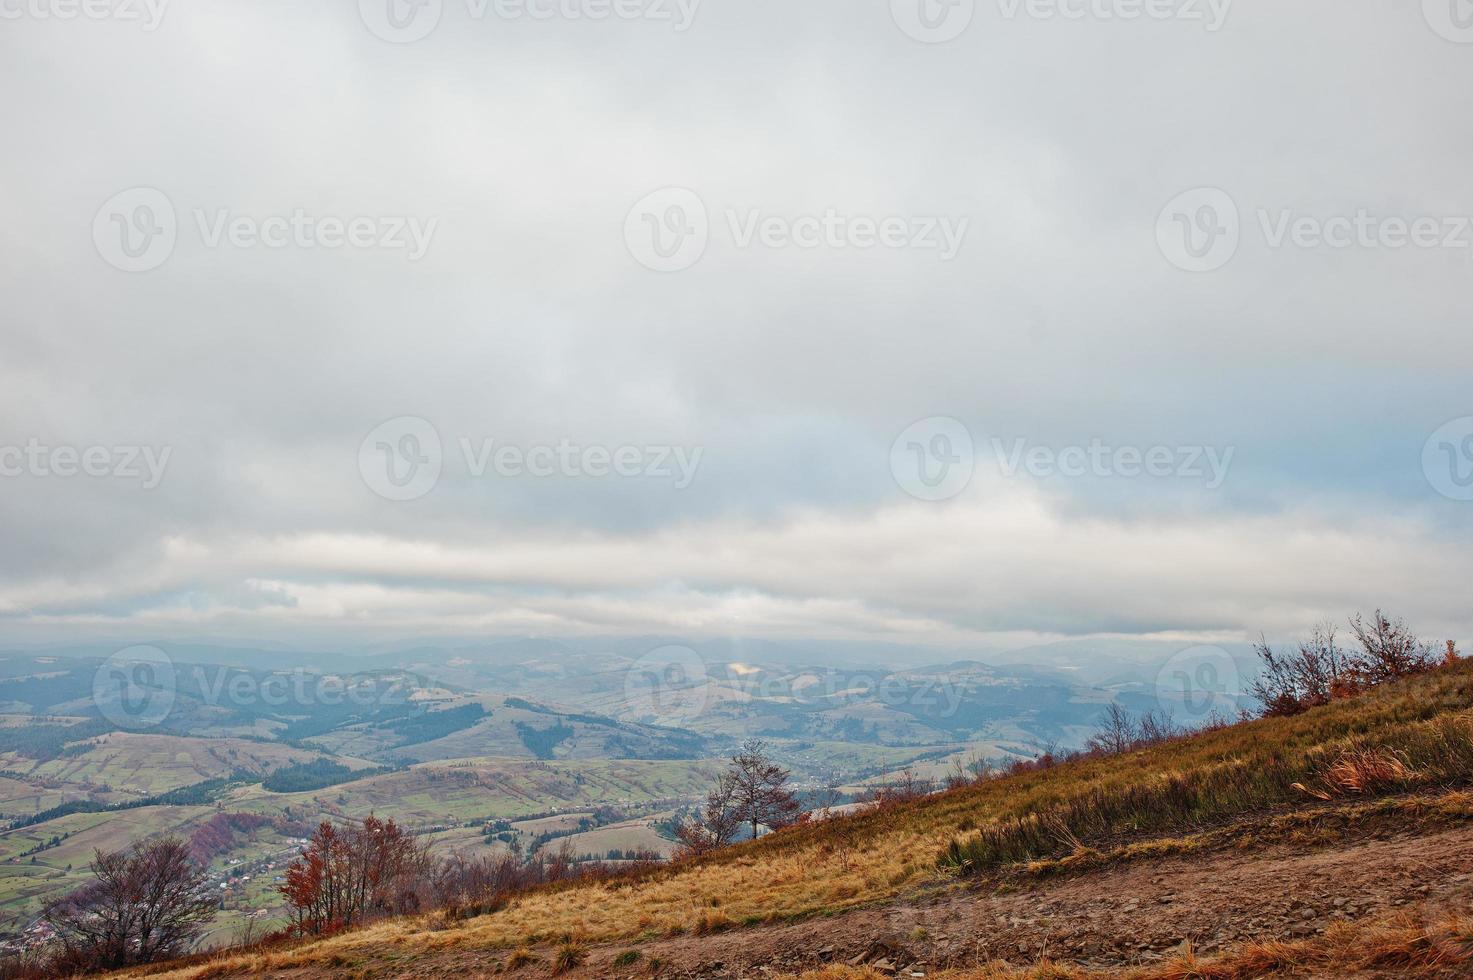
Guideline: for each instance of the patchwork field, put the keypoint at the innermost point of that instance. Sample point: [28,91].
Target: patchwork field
[450,800]
[29,796]
[473,789]
[468,842]
[48,859]
[628,836]
[141,765]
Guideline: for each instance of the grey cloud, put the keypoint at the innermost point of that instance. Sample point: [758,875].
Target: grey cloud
[527,321]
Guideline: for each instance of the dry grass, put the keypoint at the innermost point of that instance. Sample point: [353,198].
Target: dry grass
[1318,826]
[1364,770]
[569,956]
[1175,791]
[1257,775]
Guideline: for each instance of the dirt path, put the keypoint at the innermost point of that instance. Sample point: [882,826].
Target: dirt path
[1124,916]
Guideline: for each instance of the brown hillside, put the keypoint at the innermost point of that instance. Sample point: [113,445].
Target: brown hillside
[1112,864]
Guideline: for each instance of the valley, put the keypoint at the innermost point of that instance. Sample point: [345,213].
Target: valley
[453,742]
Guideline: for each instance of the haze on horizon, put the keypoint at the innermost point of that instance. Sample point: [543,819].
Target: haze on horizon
[941,437]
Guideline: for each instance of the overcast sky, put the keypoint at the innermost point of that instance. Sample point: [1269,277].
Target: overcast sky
[962,326]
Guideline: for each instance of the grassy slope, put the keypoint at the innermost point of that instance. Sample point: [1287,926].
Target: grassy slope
[880,855]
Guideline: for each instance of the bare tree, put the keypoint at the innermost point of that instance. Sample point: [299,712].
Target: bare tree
[1388,649]
[144,905]
[829,796]
[905,786]
[1156,727]
[1275,687]
[980,767]
[1117,731]
[957,774]
[760,792]
[716,824]
[1314,674]
[1319,666]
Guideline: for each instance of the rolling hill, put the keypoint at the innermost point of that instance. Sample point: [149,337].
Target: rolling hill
[1336,842]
